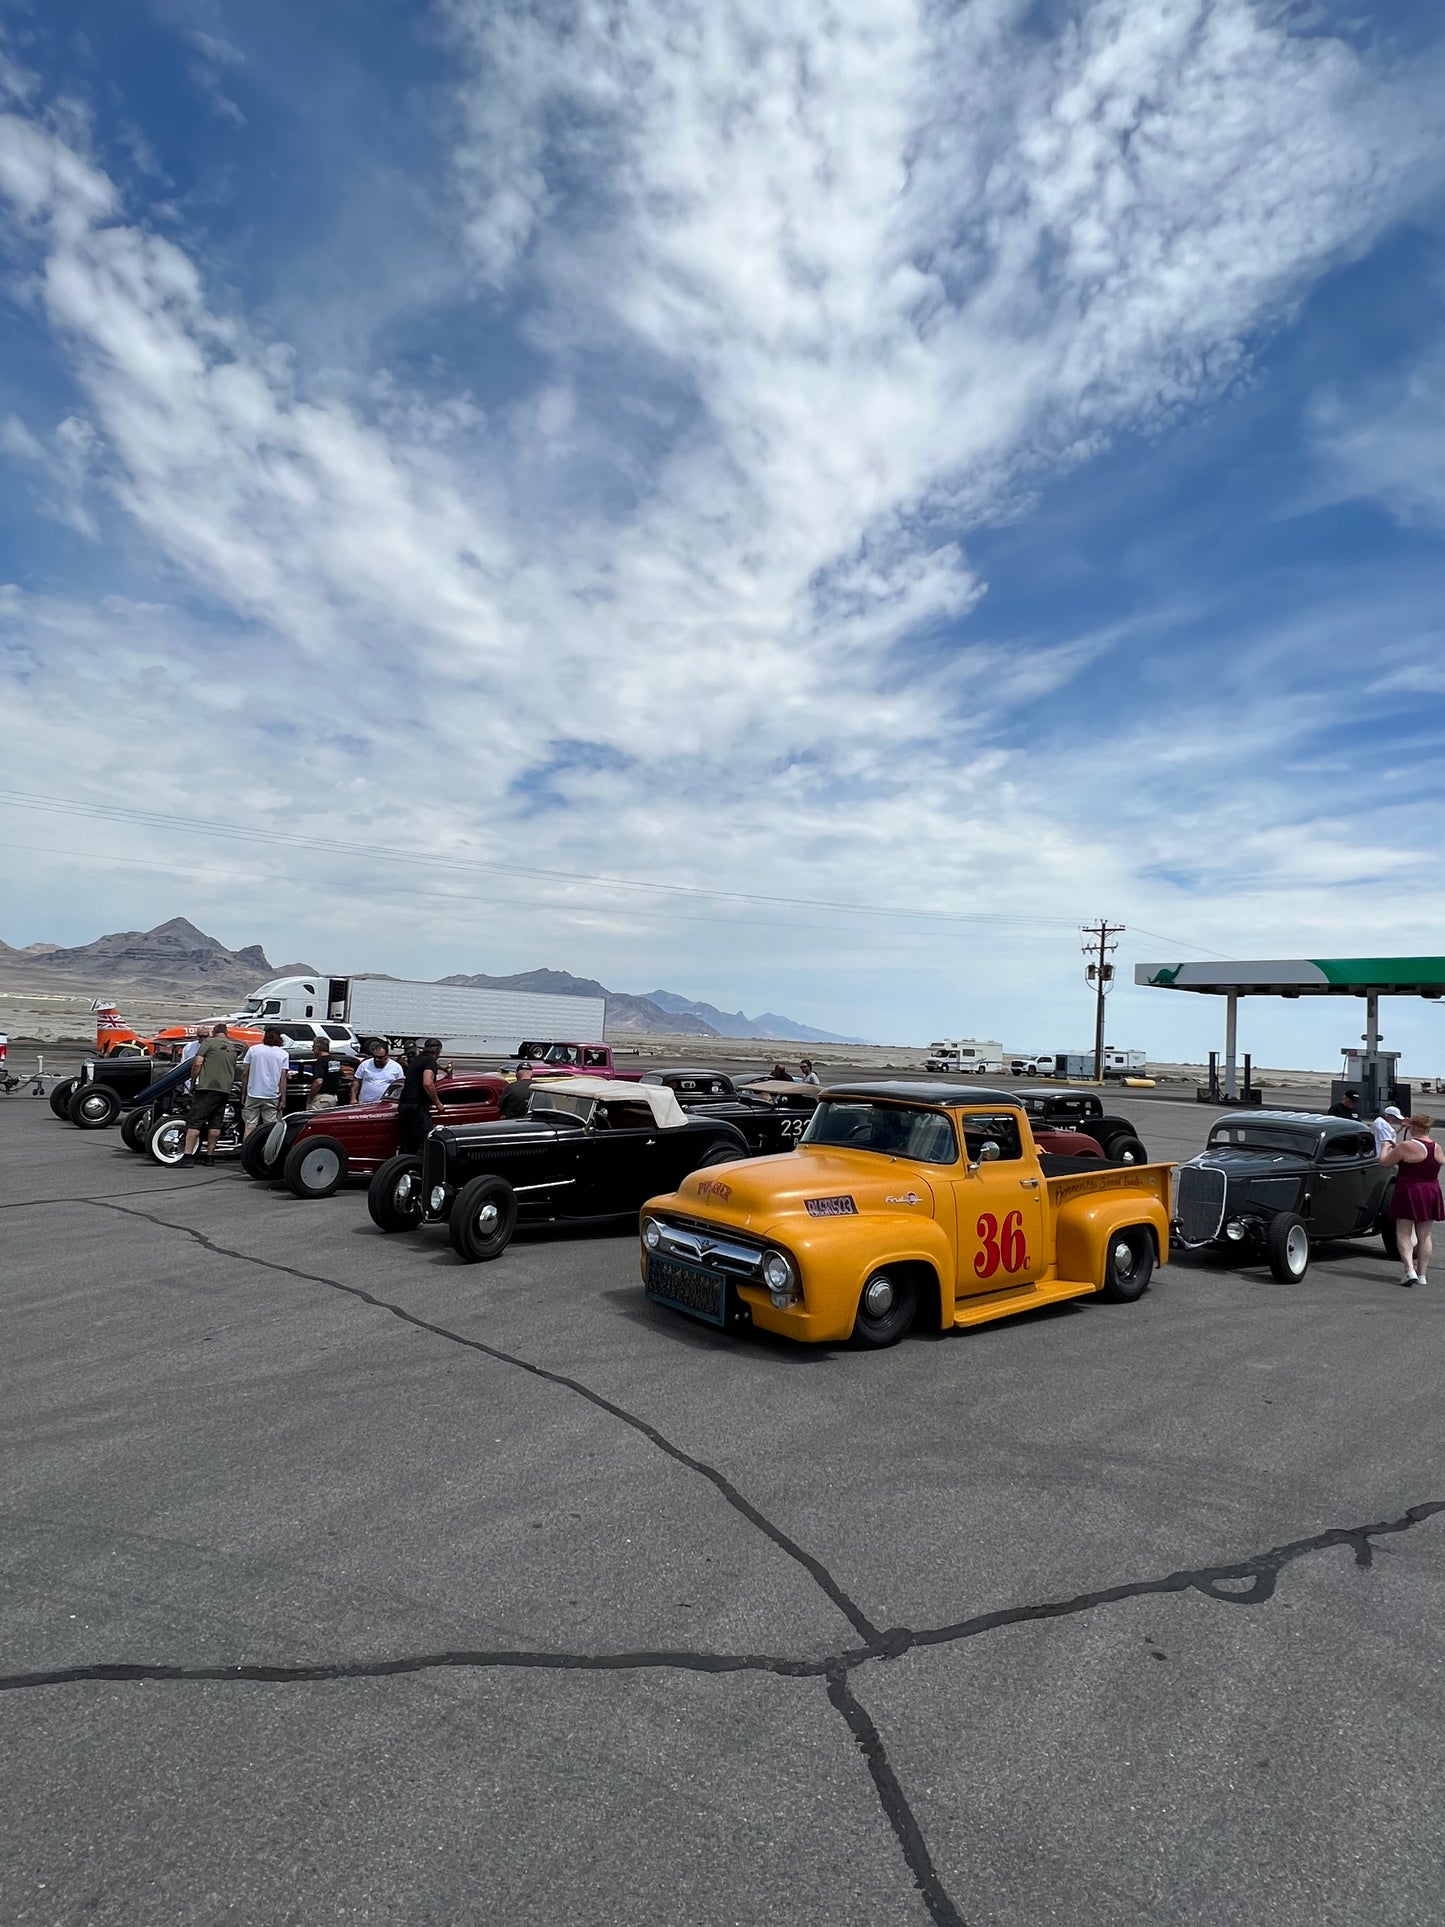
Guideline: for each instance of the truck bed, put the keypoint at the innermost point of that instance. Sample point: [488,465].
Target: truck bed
[1076,1177]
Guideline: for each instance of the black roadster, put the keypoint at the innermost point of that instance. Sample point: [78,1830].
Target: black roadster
[1276,1183]
[587,1151]
[1084,1111]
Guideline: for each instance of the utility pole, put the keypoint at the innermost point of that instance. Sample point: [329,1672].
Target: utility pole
[1098,947]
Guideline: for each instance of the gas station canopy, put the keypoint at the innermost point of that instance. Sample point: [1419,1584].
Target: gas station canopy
[1369,977]
[1303,977]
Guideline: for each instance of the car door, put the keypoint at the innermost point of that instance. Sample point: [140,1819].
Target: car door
[999,1205]
[621,1157]
[1339,1187]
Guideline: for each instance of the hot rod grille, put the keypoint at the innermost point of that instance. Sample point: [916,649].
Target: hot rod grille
[1198,1203]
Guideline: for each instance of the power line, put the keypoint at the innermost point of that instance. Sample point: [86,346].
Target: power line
[370,852]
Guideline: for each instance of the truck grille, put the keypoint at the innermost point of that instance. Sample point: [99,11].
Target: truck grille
[1199,1194]
[699,1246]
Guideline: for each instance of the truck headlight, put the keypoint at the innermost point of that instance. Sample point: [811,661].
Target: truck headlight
[651,1233]
[780,1277]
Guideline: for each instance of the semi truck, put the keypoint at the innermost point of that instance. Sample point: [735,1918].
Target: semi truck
[480,1023]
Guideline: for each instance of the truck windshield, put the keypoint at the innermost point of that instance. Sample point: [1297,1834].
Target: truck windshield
[893,1130]
[1269,1139]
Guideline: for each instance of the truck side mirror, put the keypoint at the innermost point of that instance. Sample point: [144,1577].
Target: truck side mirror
[988,1153]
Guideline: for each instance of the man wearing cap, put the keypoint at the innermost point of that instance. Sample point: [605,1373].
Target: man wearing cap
[1387,1127]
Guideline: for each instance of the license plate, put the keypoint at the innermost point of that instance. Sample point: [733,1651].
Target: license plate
[687,1288]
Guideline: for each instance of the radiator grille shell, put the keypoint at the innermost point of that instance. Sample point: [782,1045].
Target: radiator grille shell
[1199,1200]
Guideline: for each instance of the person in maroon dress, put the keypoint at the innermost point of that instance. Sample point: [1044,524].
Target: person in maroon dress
[1416,1202]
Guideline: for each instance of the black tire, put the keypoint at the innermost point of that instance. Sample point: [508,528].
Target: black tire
[1287,1247]
[166,1140]
[60,1095]
[887,1306]
[394,1196]
[315,1167]
[1387,1239]
[135,1127]
[254,1161]
[721,1154]
[1128,1265]
[1126,1149]
[484,1216]
[93,1107]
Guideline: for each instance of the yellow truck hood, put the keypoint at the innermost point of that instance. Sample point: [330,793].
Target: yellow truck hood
[758,1194]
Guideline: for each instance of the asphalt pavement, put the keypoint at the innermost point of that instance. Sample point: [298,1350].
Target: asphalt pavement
[340,1581]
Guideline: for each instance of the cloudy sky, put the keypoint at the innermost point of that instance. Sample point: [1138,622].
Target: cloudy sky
[799,504]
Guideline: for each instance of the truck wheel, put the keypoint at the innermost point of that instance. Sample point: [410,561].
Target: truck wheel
[135,1127]
[315,1167]
[1287,1247]
[93,1107]
[1129,1266]
[484,1216]
[1126,1150]
[886,1307]
[167,1141]
[61,1094]
[394,1196]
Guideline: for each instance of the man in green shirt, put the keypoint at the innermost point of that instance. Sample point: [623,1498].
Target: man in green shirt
[213,1072]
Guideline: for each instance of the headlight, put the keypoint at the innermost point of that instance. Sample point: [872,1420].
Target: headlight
[777,1272]
[652,1234]
[1234,1229]
[437,1197]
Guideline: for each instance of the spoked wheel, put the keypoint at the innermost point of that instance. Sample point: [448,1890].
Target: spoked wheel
[394,1196]
[167,1140]
[135,1128]
[886,1308]
[315,1167]
[483,1218]
[61,1094]
[1287,1246]
[93,1107]
[1128,1266]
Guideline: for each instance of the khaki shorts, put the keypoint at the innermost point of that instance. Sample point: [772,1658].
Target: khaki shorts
[260,1110]
[321,1102]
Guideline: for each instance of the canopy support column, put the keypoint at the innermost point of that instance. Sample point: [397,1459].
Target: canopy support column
[1231,1042]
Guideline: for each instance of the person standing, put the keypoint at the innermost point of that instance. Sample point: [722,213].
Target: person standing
[328,1079]
[419,1098]
[265,1072]
[1348,1105]
[377,1076]
[1386,1128]
[213,1073]
[1416,1203]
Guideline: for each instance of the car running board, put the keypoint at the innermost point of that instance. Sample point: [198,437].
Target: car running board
[981,1307]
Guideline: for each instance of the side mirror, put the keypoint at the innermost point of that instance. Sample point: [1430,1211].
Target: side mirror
[988,1152]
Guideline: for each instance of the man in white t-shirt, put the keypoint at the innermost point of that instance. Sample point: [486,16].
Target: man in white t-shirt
[265,1069]
[1386,1127]
[377,1076]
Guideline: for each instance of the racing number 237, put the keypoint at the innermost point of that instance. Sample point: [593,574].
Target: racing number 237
[1004,1247]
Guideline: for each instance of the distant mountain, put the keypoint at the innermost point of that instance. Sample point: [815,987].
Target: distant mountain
[735,1024]
[624,1013]
[175,958]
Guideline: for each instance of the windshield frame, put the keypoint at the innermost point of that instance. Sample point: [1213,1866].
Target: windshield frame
[832,1104]
[1290,1140]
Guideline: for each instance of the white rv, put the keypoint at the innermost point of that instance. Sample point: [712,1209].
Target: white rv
[968,1056]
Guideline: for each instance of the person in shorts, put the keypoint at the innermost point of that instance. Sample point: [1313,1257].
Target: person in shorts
[265,1070]
[213,1073]
[328,1079]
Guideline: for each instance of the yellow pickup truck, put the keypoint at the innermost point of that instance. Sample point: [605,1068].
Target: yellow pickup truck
[903,1202]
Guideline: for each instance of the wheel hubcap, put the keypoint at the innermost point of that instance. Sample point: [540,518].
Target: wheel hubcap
[318,1168]
[1124,1260]
[171,1143]
[405,1190]
[878,1297]
[488,1218]
[1297,1248]
[95,1107]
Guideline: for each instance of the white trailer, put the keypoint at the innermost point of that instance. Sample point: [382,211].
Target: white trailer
[480,1023]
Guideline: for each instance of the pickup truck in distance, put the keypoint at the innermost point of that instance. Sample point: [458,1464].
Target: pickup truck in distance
[904,1202]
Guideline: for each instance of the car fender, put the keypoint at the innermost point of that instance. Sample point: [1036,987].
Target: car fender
[1084,1225]
[837,1256]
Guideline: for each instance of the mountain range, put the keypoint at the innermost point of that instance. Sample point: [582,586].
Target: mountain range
[176,959]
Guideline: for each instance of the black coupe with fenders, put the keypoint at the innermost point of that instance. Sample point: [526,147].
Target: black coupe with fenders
[589,1150]
[1064,1110]
[1274,1184]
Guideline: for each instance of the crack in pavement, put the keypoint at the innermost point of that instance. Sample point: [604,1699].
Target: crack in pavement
[1245,1582]
[151,1191]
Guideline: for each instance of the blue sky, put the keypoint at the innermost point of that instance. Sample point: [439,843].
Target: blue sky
[979,462]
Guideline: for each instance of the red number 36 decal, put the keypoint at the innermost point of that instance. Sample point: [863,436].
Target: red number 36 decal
[1003,1249]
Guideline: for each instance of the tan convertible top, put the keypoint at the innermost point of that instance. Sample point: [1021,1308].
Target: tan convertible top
[662,1102]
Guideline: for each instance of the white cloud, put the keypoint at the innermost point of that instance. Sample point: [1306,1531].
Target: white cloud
[857,277]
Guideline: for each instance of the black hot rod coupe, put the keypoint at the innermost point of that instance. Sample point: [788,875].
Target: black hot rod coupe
[1276,1183]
